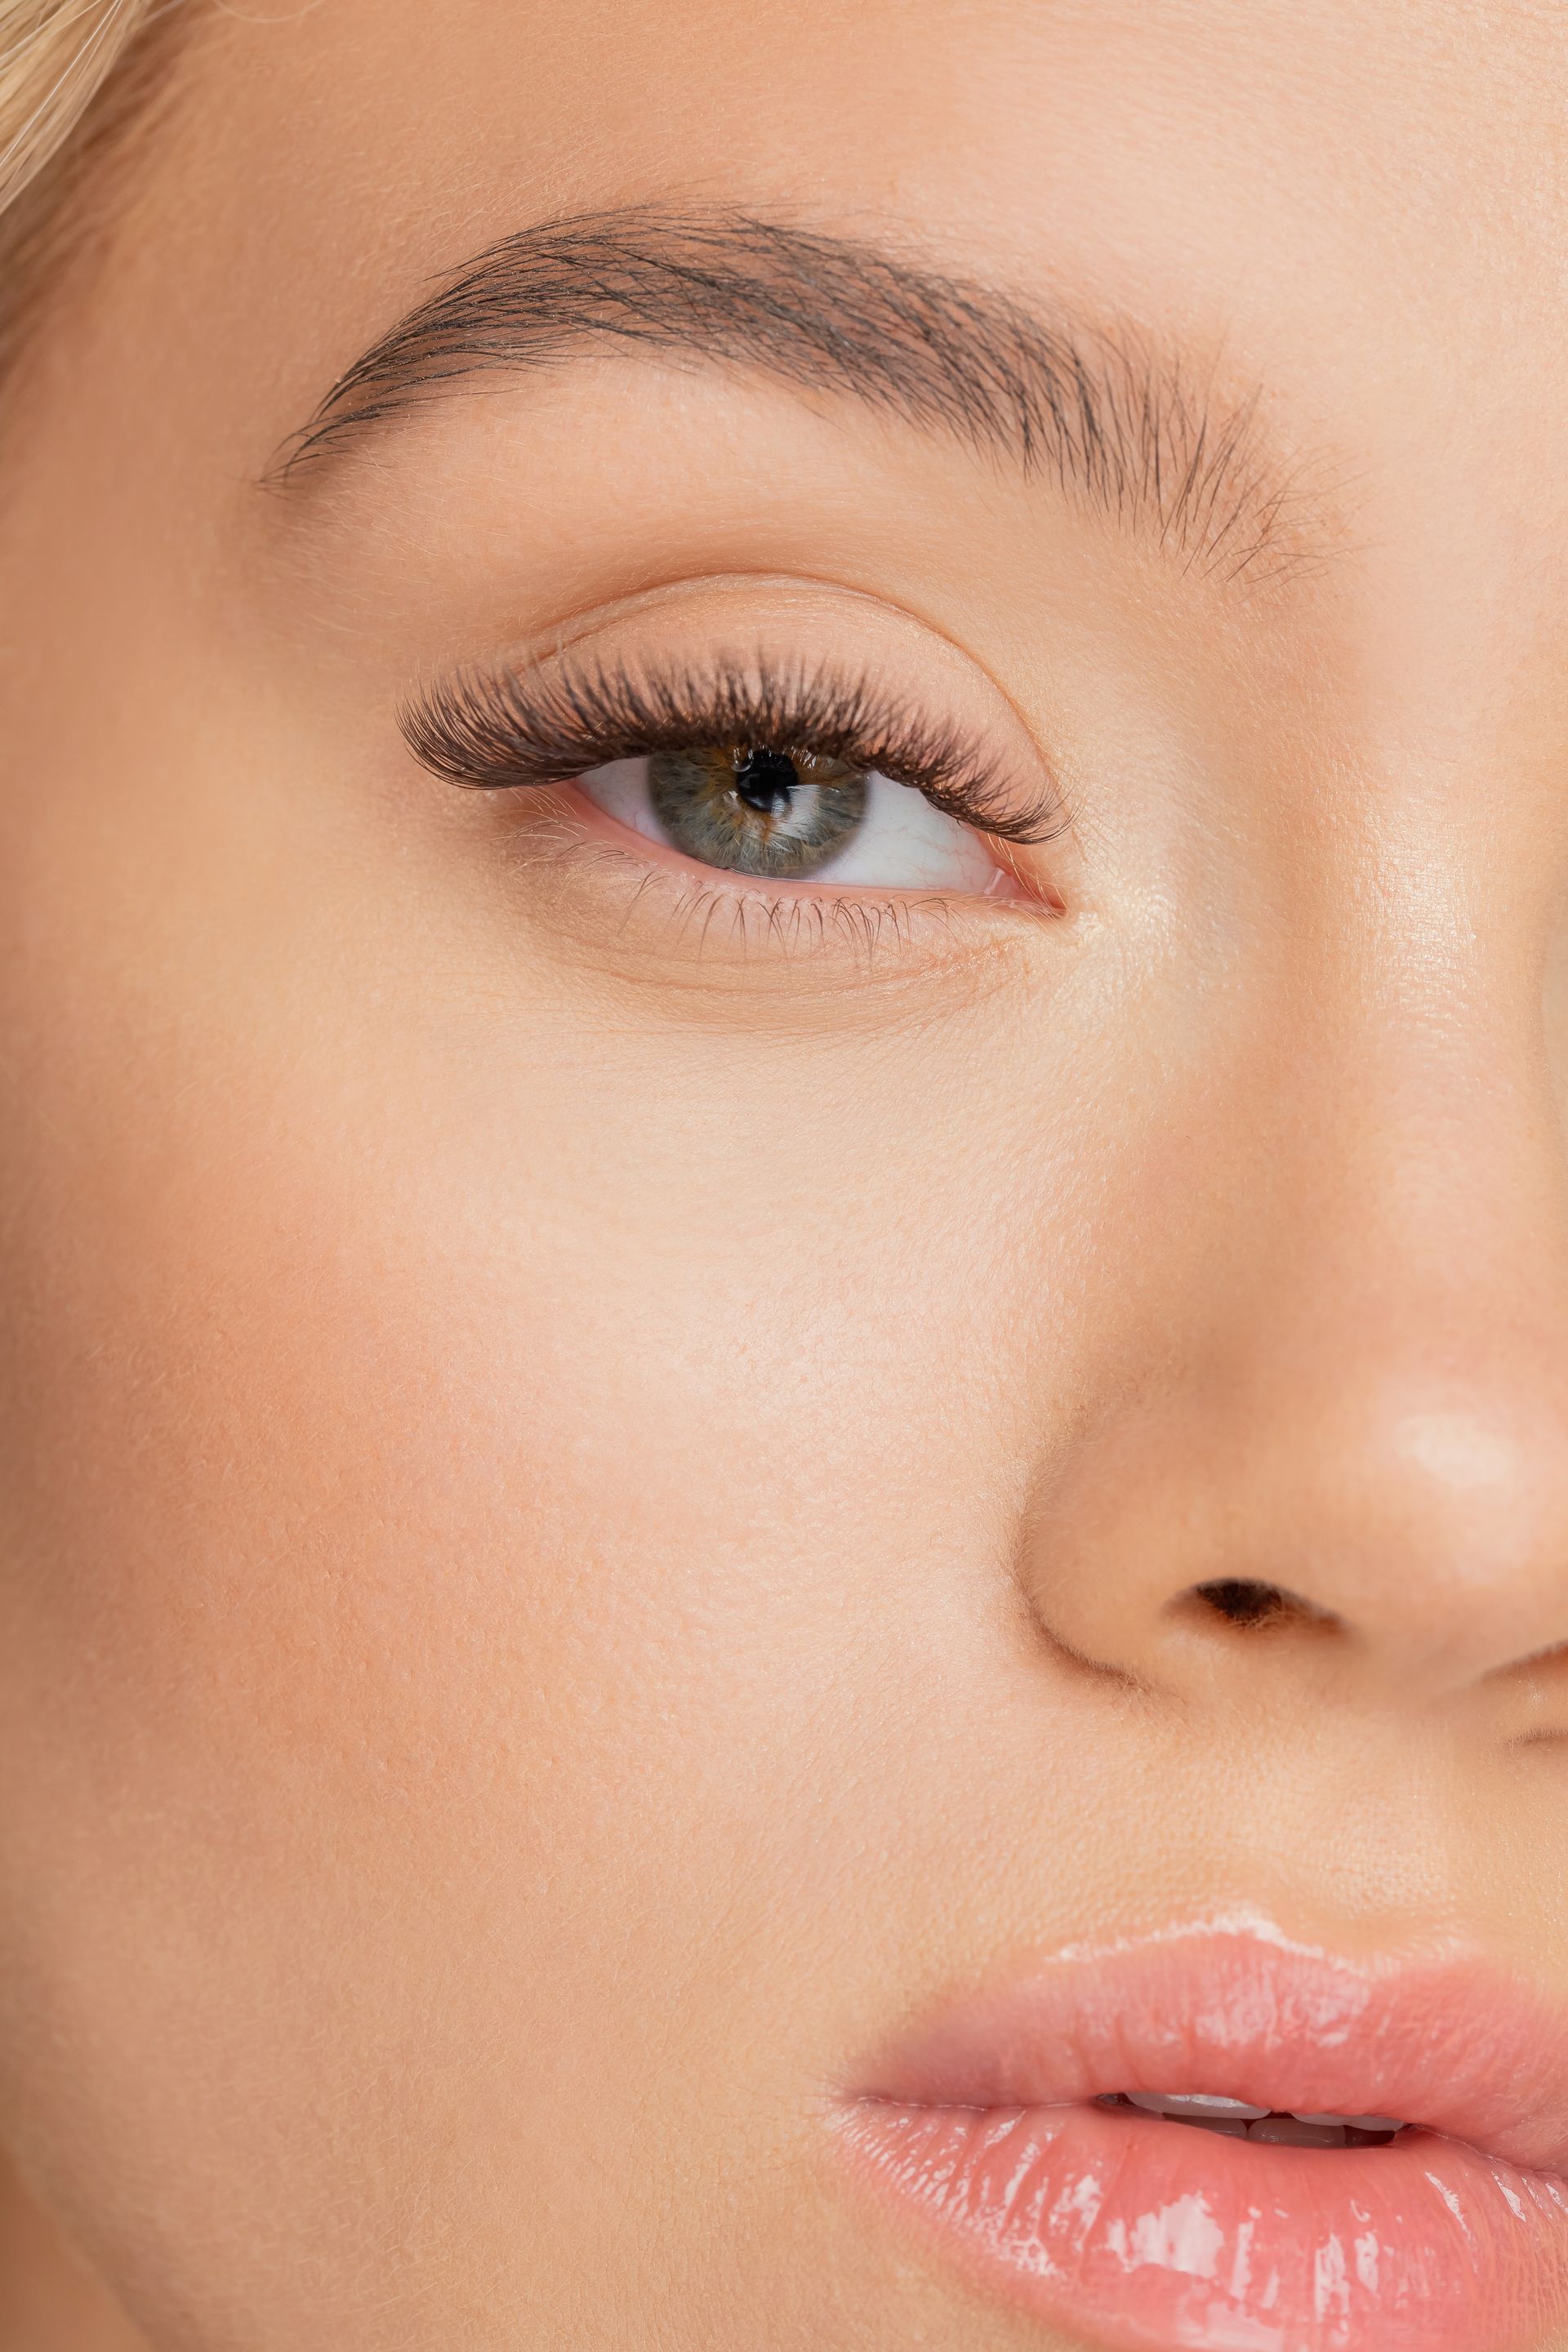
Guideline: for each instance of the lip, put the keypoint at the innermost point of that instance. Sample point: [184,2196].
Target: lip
[1136,2233]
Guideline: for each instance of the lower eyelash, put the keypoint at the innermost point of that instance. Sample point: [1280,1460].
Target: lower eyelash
[806,924]
[741,919]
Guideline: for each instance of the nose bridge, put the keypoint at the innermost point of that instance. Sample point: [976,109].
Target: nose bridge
[1369,1411]
[1415,1174]
[1420,1164]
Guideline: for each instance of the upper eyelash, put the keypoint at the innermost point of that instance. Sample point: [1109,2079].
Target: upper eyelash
[499,727]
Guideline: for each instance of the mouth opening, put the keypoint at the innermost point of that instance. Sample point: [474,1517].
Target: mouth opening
[1234,2119]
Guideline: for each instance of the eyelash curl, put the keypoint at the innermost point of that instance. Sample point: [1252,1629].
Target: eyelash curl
[497,730]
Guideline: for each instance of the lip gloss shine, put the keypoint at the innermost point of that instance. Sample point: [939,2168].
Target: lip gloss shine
[1142,2234]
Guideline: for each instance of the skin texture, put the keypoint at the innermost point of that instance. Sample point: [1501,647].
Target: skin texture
[587,1521]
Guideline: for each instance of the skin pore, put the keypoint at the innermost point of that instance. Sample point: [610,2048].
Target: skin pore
[611,1480]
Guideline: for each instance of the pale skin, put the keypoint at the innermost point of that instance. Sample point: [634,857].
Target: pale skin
[589,1517]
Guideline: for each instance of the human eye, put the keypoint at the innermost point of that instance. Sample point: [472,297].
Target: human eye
[783,814]
[765,775]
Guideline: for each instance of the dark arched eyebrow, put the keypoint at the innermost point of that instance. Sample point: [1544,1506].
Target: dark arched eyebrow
[1134,432]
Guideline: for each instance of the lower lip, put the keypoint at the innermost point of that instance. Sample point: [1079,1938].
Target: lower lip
[1137,2233]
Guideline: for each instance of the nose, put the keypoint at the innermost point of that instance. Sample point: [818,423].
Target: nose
[1355,1428]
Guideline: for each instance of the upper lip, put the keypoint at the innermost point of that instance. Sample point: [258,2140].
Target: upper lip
[1451,2043]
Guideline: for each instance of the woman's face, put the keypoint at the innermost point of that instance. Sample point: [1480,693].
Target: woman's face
[626,1475]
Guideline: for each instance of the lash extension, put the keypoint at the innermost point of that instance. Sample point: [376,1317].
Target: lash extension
[496,729]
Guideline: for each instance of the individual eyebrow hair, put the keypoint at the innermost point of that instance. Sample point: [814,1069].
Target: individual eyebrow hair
[1132,431]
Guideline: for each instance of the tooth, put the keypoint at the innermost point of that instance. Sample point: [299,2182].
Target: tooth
[1290,2131]
[1354,2123]
[1195,2105]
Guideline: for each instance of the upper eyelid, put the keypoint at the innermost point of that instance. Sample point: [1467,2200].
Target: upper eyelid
[498,727]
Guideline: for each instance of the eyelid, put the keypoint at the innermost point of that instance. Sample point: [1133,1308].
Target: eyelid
[501,729]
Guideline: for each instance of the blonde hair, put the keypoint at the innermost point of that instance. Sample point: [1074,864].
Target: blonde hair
[54,57]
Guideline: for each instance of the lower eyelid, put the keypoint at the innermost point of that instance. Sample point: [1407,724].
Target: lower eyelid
[645,918]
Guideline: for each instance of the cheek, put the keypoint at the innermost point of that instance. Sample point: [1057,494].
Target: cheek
[446,1512]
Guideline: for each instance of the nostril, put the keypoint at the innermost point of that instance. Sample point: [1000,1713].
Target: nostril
[1241,1601]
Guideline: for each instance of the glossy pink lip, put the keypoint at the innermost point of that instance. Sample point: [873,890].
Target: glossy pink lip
[1137,2234]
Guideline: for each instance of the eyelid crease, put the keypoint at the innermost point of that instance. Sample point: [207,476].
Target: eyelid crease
[498,729]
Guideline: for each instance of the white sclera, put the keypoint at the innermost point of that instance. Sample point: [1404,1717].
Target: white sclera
[901,843]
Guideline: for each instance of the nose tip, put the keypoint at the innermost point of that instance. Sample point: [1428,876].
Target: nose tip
[1464,1503]
[1420,1533]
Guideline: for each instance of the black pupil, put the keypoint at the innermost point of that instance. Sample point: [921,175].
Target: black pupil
[767,781]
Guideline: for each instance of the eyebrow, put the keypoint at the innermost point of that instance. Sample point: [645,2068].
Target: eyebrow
[1133,431]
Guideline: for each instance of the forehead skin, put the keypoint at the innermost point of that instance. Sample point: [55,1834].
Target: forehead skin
[1188,164]
[489,1444]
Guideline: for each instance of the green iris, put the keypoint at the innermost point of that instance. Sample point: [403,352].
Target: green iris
[780,815]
